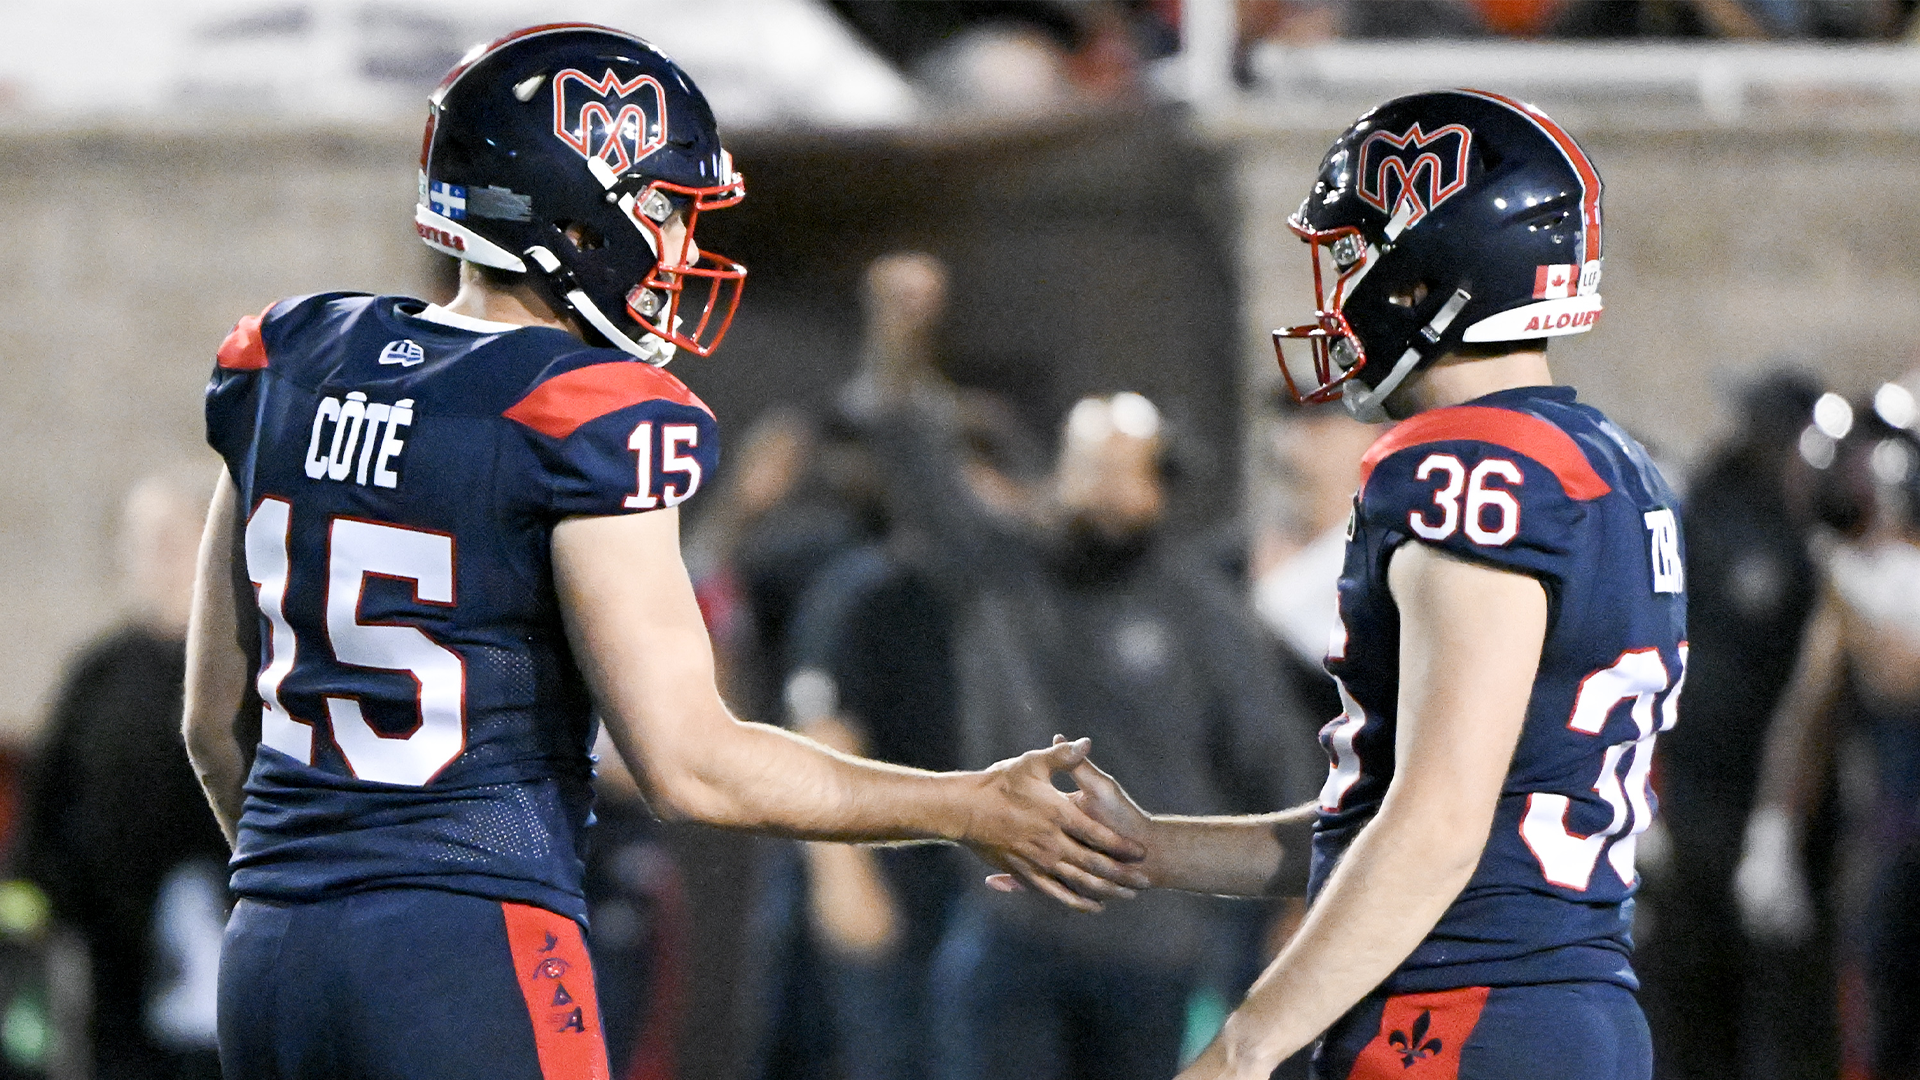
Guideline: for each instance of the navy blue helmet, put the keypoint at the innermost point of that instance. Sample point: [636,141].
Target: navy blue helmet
[573,153]
[1444,219]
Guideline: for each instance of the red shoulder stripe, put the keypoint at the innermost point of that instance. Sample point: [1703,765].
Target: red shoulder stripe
[1517,431]
[561,404]
[1582,167]
[243,349]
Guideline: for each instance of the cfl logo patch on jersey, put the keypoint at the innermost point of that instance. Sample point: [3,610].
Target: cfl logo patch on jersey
[354,438]
[621,123]
[1663,533]
[1410,174]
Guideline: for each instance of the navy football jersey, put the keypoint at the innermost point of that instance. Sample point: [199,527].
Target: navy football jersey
[1526,480]
[401,469]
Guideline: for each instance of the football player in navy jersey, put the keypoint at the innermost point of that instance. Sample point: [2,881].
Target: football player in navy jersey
[1511,638]
[446,546]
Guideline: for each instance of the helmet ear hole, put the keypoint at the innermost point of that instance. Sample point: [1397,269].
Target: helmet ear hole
[1409,296]
[582,236]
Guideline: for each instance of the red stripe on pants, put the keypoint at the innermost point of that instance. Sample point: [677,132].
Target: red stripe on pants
[556,978]
[1421,1035]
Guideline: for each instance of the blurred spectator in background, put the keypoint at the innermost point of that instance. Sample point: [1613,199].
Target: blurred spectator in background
[864,651]
[642,920]
[872,669]
[1018,57]
[1300,547]
[1750,588]
[1858,670]
[116,830]
[1738,19]
[1076,614]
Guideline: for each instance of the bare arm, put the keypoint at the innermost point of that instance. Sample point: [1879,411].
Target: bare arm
[1469,649]
[1245,855]
[217,668]
[1770,885]
[853,908]
[1798,739]
[639,638]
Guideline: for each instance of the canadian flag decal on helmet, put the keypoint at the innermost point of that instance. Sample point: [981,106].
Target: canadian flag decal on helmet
[618,122]
[1409,175]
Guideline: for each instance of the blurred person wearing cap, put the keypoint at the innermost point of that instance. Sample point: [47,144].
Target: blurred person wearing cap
[1076,612]
[116,831]
[1857,676]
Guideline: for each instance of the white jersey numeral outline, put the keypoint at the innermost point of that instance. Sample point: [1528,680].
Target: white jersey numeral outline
[359,549]
[1565,858]
[1568,859]
[267,567]
[672,438]
[1480,498]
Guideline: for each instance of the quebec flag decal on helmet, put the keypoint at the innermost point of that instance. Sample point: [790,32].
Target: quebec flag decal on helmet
[583,157]
[1437,220]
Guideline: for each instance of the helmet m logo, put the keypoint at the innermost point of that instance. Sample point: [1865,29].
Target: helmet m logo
[618,122]
[1409,175]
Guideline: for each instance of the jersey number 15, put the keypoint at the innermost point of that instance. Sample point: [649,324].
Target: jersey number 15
[358,549]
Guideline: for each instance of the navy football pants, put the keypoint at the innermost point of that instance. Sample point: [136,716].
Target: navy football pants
[406,984]
[1556,1031]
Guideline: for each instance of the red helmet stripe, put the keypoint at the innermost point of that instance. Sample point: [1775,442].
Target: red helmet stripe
[1576,157]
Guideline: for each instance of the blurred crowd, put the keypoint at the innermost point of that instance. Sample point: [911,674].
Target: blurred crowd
[1016,55]
[913,572]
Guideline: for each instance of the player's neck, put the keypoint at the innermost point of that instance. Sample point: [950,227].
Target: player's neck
[479,299]
[1454,380]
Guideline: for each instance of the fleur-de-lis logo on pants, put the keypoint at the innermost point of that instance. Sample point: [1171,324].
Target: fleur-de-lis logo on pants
[1412,1050]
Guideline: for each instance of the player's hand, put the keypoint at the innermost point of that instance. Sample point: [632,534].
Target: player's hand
[1105,801]
[1102,798]
[1775,903]
[1039,837]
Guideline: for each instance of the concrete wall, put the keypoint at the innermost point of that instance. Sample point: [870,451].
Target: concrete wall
[128,256]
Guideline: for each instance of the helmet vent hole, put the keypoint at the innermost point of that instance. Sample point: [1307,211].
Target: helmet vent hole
[1548,222]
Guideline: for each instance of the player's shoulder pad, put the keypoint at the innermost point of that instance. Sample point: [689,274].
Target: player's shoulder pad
[1509,429]
[560,403]
[245,348]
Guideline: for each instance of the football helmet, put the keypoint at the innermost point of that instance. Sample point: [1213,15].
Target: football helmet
[1440,219]
[571,152]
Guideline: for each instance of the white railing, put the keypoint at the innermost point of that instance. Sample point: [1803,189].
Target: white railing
[1636,84]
